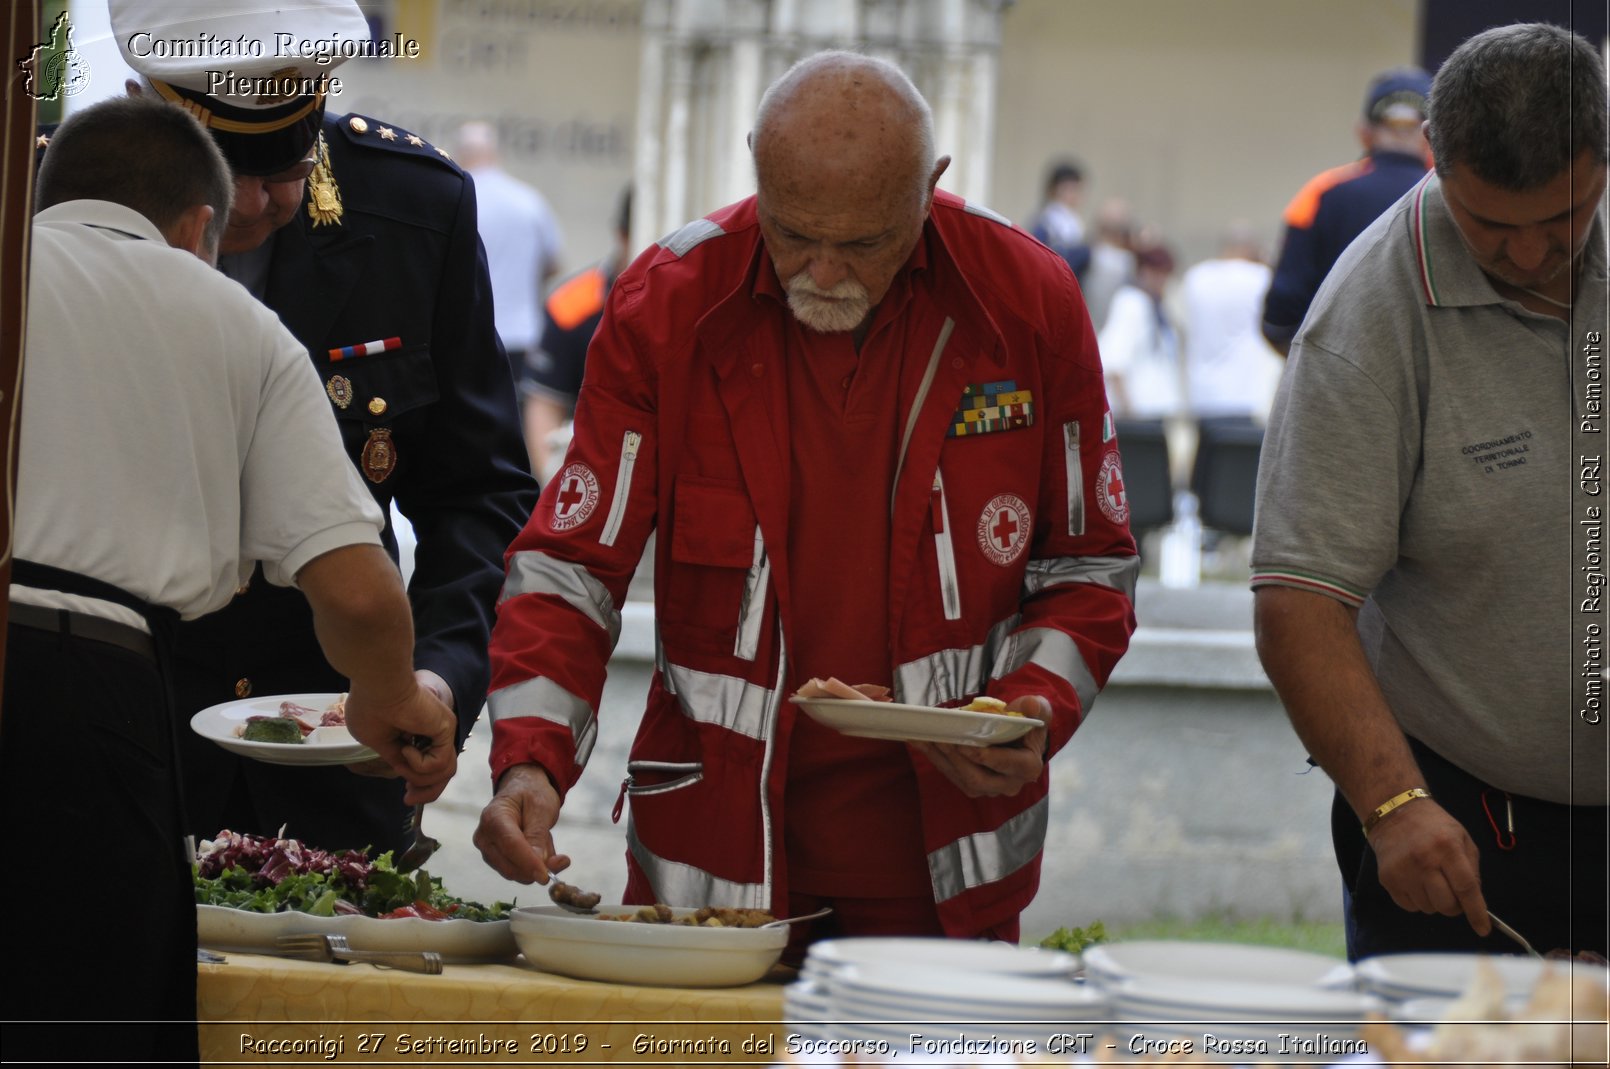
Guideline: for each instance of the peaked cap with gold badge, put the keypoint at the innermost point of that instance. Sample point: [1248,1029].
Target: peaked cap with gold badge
[239,67]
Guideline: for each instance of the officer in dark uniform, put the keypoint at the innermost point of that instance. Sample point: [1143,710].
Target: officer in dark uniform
[362,237]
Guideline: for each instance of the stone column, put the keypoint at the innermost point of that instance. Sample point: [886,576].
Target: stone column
[705,64]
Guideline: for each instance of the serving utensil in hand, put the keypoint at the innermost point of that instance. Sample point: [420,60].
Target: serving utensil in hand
[333,948]
[423,846]
[573,899]
[1512,933]
[783,922]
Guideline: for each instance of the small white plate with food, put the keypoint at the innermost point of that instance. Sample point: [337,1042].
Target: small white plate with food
[870,715]
[284,729]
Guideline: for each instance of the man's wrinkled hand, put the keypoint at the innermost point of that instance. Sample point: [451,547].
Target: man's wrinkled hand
[1429,864]
[515,835]
[990,771]
[412,735]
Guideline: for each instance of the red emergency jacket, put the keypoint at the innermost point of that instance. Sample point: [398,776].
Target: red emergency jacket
[1011,566]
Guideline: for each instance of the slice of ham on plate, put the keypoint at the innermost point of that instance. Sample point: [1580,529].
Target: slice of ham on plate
[832,687]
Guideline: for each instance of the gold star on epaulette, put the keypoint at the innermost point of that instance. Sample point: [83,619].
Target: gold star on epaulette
[443,151]
[416,141]
[42,141]
[388,134]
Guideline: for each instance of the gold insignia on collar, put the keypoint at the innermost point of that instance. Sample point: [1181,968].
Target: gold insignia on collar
[416,141]
[324,199]
[388,134]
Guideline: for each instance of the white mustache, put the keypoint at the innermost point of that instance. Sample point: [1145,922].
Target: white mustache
[845,289]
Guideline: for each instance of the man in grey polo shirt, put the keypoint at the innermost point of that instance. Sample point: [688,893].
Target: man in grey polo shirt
[1412,546]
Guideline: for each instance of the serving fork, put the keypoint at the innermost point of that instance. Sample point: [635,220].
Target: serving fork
[311,946]
[422,846]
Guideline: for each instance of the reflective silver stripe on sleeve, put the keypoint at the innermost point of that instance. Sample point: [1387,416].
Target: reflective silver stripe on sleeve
[725,701]
[681,241]
[679,884]
[751,611]
[985,213]
[533,572]
[986,856]
[1116,573]
[950,675]
[543,698]
[1056,652]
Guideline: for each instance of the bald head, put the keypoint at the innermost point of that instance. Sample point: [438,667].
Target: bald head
[845,173]
[846,113]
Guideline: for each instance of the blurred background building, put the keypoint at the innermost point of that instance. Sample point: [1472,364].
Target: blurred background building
[1194,111]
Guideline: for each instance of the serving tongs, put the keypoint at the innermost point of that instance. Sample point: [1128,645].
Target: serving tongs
[311,946]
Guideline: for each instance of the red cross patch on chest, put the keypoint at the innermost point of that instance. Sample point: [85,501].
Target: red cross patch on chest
[1003,528]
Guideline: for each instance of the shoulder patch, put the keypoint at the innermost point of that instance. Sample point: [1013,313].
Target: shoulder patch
[372,133]
[986,213]
[680,242]
[1304,206]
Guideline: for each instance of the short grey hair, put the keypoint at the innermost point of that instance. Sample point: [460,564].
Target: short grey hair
[1518,105]
[891,74]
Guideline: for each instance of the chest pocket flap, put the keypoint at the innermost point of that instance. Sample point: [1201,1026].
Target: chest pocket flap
[715,524]
[380,387]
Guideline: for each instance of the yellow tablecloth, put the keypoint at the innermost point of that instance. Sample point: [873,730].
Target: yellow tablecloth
[257,1010]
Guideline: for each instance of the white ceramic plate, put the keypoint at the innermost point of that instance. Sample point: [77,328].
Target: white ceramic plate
[907,992]
[1111,963]
[829,955]
[623,952]
[1412,976]
[914,723]
[222,928]
[1150,998]
[326,746]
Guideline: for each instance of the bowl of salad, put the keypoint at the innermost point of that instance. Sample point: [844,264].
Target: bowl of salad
[250,890]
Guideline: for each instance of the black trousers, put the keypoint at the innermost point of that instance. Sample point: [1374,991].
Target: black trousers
[1547,878]
[108,932]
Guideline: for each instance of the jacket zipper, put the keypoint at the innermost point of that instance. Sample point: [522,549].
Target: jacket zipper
[750,610]
[945,550]
[623,488]
[1076,478]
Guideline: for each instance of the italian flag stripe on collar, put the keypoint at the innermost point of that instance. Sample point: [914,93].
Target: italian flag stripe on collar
[1417,220]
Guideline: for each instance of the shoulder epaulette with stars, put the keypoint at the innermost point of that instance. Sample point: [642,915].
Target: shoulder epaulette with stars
[362,130]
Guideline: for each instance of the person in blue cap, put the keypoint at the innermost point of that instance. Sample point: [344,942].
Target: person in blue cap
[1335,206]
[361,236]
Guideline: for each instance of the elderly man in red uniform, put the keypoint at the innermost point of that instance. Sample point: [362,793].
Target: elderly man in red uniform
[868,422]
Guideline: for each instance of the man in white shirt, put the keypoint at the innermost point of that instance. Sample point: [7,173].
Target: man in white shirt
[172,434]
[1230,371]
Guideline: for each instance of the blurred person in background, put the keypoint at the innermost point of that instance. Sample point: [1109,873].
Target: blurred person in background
[570,317]
[1230,371]
[523,247]
[1112,259]
[1336,205]
[1140,347]
[1058,222]
[1413,552]
[361,238]
[172,435]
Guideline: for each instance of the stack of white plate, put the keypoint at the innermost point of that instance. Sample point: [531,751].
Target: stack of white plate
[1110,963]
[1237,1019]
[1231,1001]
[1406,977]
[884,987]
[955,1016]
